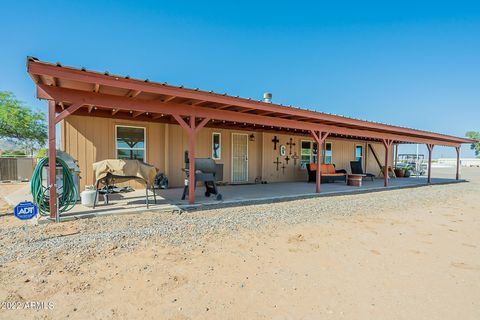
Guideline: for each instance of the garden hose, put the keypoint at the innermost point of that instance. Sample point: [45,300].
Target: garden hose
[67,194]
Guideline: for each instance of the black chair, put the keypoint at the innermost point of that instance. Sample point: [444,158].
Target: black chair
[356,167]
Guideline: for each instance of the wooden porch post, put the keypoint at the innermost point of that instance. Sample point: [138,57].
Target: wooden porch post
[319,138]
[387,143]
[52,163]
[192,129]
[318,178]
[191,164]
[430,150]
[457,177]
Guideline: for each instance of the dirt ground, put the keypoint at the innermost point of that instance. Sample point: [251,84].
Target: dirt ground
[422,262]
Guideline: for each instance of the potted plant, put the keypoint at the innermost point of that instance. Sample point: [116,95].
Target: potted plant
[399,172]
[407,172]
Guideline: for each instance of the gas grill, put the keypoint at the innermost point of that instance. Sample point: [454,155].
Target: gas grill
[205,170]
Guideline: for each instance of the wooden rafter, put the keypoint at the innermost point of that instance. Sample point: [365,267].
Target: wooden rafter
[246,110]
[157,116]
[224,107]
[169,99]
[133,93]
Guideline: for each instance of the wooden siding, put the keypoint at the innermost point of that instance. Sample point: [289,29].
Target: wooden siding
[91,139]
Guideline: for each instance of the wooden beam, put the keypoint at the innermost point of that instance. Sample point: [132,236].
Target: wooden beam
[90,108]
[224,107]
[133,93]
[168,99]
[52,163]
[137,113]
[457,172]
[201,124]
[157,116]
[115,111]
[430,147]
[181,122]
[246,110]
[65,113]
[151,106]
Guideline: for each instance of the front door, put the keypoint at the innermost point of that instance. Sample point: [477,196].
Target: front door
[239,157]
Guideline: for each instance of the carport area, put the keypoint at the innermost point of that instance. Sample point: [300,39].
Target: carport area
[93,95]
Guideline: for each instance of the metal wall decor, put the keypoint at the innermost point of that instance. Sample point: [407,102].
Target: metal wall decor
[275,141]
[291,144]
[277,163]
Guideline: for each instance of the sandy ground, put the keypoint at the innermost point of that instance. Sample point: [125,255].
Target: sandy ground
[417,261]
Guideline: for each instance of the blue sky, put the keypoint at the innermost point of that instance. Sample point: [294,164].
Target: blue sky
[410,63]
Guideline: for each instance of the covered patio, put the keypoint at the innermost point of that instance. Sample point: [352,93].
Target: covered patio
[170,200]
[71,91]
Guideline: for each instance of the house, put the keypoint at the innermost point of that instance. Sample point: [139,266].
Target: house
[104,116]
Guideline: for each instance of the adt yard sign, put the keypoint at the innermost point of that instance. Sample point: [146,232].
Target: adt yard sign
[25,210]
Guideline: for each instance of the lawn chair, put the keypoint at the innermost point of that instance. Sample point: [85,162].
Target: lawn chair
[356,167]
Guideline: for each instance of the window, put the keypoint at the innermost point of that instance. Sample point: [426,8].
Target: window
[308,153]
[359,153]
[130,142]
[216,146]
[328,153]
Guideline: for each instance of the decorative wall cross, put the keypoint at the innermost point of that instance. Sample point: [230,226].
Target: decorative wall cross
[295,157]
[275,141]
[283,168]
[287,159]
[290,144]
[277,163]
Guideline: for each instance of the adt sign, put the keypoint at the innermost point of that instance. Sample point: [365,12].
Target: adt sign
[25,210]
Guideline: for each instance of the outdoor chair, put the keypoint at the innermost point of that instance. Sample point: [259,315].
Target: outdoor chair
[328,173]
[356,167]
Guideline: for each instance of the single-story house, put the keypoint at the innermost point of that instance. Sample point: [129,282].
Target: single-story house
[105,116]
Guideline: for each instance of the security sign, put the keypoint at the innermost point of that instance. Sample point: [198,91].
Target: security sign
[25,210]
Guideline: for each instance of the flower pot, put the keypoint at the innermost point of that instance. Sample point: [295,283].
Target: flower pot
[407,174]
[400,173]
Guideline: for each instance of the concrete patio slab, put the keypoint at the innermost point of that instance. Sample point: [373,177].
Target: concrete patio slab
[170,200]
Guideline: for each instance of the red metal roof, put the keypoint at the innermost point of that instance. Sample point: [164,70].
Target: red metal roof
[108,95]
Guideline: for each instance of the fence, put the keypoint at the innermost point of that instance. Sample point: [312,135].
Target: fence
[16,169]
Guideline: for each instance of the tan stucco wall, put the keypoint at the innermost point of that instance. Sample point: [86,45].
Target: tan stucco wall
[91,139]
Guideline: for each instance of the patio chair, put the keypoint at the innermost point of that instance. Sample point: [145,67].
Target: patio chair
[328,173]
[356,167]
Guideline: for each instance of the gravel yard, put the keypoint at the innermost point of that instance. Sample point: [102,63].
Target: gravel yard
[199,264]
[87,237]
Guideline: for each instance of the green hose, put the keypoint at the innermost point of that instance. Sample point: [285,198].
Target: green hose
[67,195]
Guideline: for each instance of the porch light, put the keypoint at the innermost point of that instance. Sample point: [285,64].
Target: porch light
[251,137]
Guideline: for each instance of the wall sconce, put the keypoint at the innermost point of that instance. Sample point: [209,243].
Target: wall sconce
[251,137]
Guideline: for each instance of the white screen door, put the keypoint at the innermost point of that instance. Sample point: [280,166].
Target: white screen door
[239,157]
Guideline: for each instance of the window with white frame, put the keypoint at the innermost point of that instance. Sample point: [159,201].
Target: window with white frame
[130,142]
[216,146]
[308,153]
[328,152]
[359,153]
